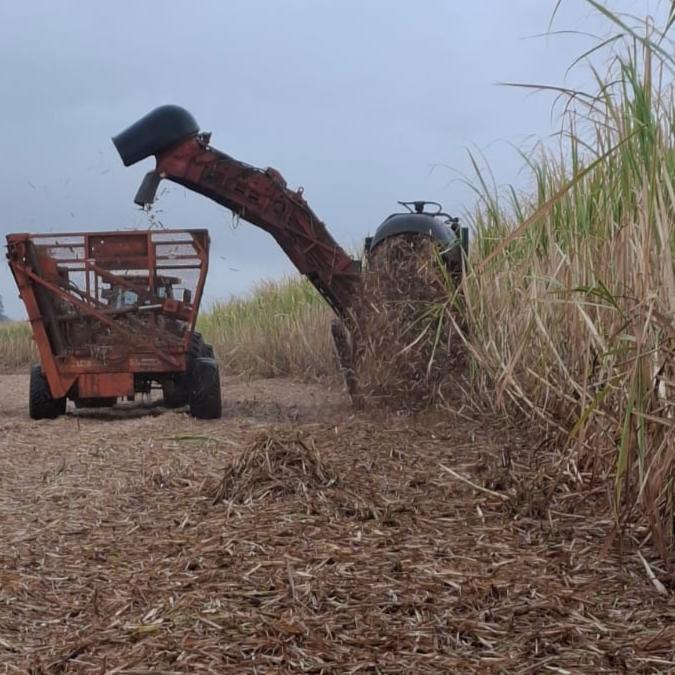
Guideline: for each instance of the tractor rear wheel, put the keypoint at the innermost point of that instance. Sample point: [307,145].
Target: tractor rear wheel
[205,401]
[41,403]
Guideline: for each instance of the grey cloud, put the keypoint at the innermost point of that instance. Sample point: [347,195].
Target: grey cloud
[354,100]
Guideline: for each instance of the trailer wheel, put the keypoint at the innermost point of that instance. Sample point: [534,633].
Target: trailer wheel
[41,404]
[175,391]
[205,401]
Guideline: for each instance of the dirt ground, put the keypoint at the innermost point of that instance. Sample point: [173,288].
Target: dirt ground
[418,546]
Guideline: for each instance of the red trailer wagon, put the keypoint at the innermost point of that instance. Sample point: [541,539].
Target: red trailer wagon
[113,314]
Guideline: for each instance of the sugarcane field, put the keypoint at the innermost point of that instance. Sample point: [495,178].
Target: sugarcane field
[413,415]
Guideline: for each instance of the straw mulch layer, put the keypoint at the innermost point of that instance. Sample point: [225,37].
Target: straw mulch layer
[392,544]
[410,356]
[272,466]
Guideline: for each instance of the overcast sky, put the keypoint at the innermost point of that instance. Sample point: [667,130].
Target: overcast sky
[355,100]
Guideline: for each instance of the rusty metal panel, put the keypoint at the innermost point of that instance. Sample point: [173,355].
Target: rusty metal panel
[111,302]
[91,385]
[118,246]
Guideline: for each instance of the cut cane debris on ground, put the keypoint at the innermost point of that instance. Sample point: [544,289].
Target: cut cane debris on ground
[113,554]
[275,465]
[448,540]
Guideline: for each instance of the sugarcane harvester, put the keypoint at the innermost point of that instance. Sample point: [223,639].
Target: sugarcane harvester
[262,197]
[113,314]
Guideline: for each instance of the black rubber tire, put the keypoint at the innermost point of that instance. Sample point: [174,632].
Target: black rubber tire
[176,388]
[107,402]
[205,400]
[41,404]
[175,391]
[199,348]
[196,347]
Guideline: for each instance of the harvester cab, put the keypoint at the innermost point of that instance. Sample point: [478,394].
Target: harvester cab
[123,297]
[426,219]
